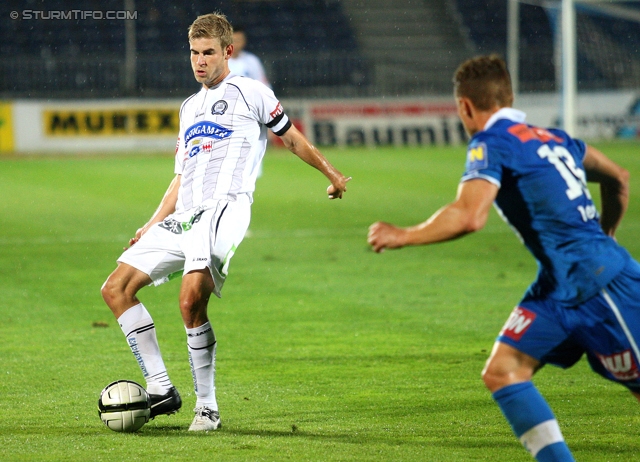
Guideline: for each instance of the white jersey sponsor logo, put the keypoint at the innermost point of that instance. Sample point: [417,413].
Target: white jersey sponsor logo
[208,129]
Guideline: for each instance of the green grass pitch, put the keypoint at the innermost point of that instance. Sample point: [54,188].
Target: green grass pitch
[326,351]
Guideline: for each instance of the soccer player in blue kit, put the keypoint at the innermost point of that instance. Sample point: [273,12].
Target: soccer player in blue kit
[586,297]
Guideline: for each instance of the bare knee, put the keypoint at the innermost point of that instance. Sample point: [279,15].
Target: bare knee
[120,288]
[115,296]
[495,376]
[193,307]
[197,287]
[110,291]
[507,366]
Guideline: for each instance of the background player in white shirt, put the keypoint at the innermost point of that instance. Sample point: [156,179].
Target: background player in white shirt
[244,62]
[203,215]
[247,64]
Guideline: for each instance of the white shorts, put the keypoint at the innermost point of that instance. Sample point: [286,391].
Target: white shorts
[204,237]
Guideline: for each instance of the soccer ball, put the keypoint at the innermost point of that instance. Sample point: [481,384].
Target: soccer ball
[124,406]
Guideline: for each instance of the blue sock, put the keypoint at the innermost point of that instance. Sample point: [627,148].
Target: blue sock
[533,422]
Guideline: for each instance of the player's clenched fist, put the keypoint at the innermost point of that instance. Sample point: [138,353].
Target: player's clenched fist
[384,236]
[335,190]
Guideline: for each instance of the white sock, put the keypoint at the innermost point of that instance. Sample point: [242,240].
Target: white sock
[201,342]
[140,331]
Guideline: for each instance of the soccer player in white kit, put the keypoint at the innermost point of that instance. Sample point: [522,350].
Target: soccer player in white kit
[203,215]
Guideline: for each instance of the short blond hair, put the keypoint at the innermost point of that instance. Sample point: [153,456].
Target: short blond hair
[213,26]
[485,81]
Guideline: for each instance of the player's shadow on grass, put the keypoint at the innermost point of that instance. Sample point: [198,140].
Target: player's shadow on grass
[181,431]
[419,442]
[460,441]
[176,431]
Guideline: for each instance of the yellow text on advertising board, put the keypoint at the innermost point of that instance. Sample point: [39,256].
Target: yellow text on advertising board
[140,121]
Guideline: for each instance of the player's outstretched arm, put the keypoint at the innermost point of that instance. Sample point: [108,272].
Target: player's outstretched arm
[467,214]
[298,144]
[614,188]
[167,207]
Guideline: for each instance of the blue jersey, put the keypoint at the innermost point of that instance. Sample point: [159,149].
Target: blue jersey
[543,195]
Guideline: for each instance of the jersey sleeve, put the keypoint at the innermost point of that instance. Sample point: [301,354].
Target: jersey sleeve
[484,160]
[269,111]
[179,158]
[180,147]
[575,146]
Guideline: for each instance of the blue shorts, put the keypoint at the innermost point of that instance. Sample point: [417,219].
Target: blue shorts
[605,327]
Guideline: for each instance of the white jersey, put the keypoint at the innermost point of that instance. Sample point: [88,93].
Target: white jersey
[222,139]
